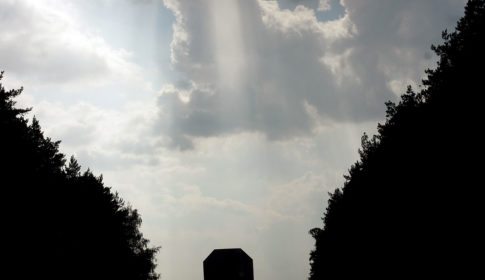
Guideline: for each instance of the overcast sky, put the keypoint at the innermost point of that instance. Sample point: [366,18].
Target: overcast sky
[225,122]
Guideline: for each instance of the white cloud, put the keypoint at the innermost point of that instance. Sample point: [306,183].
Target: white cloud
[324,5]
[45,44]
[103,138]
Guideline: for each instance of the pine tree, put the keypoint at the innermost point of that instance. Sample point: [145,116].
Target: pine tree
[73,169]
[410,206]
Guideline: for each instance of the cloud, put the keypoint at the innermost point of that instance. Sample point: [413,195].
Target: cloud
[44,42]
[93,96]
[319,5]
[324,5]
[255,66]
[100,137]
[297,198]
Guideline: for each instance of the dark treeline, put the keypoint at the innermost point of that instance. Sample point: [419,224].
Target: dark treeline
[59,223]
[410,206]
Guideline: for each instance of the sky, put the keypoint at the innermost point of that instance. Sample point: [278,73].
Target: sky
[224,122]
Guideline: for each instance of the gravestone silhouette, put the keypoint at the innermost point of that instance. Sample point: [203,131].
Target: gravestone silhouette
[228,264]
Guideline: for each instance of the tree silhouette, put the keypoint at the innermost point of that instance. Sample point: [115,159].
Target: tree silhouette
[411,205]
[60,223]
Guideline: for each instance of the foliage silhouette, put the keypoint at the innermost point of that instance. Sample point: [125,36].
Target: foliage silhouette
[61,223]
[410,205]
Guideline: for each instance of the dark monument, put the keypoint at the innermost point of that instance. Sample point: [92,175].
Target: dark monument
[228,264]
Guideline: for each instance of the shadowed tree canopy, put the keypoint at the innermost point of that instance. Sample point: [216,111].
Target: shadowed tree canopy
[61,223]
[411,205]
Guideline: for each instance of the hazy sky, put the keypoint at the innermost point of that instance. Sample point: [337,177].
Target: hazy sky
[225,122]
